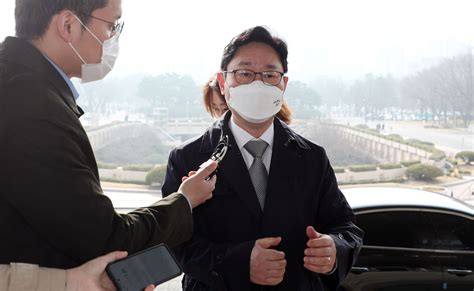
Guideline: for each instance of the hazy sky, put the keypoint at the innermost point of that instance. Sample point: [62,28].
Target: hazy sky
[336,38]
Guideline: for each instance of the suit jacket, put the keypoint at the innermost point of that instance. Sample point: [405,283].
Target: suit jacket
[302,190]
[52,209]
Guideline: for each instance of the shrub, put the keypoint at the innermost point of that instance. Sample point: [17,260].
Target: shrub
[362,168]
[362,126]
[423,172]
[409,163]
[339,170]
[102,165]
[389,166]
[156,175]
[466,156]
[394,137]
[452,161]
[420,142]
[437,155]
[138,167]
[123,181]
[464,172]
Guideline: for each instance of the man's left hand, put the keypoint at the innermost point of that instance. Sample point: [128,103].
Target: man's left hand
[320,256]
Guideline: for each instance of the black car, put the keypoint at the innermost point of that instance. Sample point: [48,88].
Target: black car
[414,240]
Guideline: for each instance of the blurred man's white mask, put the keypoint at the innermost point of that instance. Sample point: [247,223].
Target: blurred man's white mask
[110,51]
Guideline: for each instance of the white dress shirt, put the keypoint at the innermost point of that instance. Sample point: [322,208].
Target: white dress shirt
[242,137]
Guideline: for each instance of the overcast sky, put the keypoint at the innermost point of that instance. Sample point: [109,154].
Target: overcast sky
[346,39]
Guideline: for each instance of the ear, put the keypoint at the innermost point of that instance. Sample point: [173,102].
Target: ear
[285,81]
[221,81]
[66,24]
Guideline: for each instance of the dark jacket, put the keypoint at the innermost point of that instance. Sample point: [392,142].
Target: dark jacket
[52,209]
[302,190]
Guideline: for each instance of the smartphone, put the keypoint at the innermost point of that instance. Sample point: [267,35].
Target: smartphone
[155,265]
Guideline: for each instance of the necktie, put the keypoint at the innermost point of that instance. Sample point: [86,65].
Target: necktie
[258,172]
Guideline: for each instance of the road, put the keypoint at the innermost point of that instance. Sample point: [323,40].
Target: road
[462,190]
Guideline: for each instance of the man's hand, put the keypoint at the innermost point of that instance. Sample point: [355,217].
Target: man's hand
[92,277]
[267,266]
[320,256]
[196,188]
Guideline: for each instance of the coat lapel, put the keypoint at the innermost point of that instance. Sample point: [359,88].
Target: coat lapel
[282,168]
[235,172]
[287,153]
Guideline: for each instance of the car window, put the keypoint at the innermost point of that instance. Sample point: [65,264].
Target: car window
[394,229]
[453,232]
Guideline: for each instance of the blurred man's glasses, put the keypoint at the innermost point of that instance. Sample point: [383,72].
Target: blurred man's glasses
[114,27]
[271,78]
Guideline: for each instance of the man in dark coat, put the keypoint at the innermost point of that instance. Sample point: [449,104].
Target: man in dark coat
[277,220]
[52,208]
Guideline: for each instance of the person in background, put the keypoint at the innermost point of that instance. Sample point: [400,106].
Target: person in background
[214,101]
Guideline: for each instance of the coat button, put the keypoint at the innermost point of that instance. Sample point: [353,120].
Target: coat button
[341,236]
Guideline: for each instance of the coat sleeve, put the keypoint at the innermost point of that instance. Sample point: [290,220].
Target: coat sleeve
[19,276]
[335,217]
[213,264]
[50,178]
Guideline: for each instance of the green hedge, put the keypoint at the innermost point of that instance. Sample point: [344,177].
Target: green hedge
[454,162]
[420,142]
[437,155]
[138,167]
[156,175]
[423,172]
[362,126]
[466,156]
[465,172]
[409,163]
[389,166]
[394,137]
[339,170]
[123,181]
[371,182]
[102,165]
[362,168]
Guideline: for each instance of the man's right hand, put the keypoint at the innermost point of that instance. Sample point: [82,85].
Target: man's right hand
[267,266]
[196,188]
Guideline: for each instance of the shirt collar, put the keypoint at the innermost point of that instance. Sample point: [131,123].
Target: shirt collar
[242,137]
[66,79]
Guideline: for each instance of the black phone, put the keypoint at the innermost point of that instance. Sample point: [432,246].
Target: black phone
[155,265]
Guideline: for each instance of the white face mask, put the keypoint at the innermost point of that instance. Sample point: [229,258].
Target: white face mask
[255,102]
[110,51]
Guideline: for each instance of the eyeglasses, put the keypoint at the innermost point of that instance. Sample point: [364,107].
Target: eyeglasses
[115,27]
[271,78]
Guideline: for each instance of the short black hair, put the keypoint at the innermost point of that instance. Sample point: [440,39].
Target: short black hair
[255,34]
[32,17]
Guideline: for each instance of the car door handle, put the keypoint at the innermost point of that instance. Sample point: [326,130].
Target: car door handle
[459,272]
[359,270]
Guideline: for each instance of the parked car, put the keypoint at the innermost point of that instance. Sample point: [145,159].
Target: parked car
[414,240]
